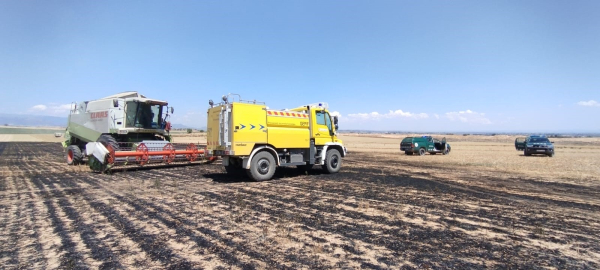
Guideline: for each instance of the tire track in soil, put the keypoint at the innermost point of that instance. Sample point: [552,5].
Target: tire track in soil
[525,219]
[525,185]
[317,233]
[10,234]
[459,212]
[293,257]
[185,228]
[149,243]
[32,167]
[420,202]
[352,233]
[359,216]
[30,245]
[87,231]
[69,258]
[164,229]
[29,242]
[495,209]
[130,255]
[35,250]
[498,221]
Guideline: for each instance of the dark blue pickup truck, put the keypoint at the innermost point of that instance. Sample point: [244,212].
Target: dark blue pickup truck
[535,145]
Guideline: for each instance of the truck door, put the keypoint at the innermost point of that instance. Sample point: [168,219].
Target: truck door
[322,127]
[520,143]
[430,144]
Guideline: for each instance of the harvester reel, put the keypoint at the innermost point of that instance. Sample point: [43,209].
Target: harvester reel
[194,155]
[168,158]
[142,159]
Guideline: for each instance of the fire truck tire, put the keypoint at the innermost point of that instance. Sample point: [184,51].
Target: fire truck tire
[74,156]
[422,152]
[408,153]
[262,166]
[333,161]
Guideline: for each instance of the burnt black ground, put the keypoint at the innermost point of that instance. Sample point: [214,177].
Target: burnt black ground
[366,216]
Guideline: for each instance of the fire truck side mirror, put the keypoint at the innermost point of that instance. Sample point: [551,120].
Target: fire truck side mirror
[335,121]
[172,110]
[115,103]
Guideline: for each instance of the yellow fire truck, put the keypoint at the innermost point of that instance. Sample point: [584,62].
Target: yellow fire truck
[251,138]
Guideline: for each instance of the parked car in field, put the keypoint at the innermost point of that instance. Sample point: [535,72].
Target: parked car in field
[424,144]
[535,145]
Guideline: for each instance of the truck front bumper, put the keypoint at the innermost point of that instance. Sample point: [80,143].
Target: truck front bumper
[539,150]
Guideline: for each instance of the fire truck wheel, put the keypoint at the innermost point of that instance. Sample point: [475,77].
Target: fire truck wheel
[333,161]
[74,156]
[262,167]
[422,152]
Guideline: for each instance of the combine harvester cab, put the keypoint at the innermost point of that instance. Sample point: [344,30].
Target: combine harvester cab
[255,140]
[124,130]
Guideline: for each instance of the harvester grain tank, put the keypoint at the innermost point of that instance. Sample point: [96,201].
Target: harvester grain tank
[254,139]
[121,130]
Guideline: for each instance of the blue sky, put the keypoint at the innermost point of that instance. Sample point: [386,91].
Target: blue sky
[531,66]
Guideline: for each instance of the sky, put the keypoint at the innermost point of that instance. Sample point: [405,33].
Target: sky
[422,66]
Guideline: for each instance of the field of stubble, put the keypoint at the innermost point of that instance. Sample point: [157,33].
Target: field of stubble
[483,206]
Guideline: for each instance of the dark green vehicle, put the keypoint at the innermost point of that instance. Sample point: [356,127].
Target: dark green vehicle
[424,144]
[535,145]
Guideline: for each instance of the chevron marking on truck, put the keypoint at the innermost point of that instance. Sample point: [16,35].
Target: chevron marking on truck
[287,114]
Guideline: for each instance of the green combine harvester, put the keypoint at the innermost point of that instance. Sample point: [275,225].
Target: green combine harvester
[124,130]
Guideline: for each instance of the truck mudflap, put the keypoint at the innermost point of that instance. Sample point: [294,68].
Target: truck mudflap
[324,151]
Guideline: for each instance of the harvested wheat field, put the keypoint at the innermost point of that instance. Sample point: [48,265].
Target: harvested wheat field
[483,206]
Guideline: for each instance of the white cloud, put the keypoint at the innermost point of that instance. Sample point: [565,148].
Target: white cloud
[65,107]
[390,114]
[468,116]
[40,107]
[437,116]
[51,109]
[590,103]
[336,113]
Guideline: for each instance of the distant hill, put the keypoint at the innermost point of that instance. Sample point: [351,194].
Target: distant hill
[32,120]
[181,126]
